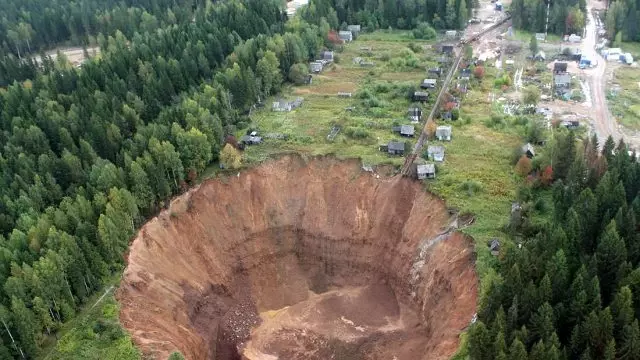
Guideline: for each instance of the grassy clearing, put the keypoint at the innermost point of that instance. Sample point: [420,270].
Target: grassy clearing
[525,36]
[95,333]
[625,104]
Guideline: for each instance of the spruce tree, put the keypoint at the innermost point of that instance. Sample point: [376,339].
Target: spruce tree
[611,254]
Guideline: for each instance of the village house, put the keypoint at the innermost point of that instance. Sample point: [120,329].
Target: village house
[407,130]
[346,36]
[355,30]
[415,113]
[443,133]
[561,83]
[494,247]
[283,105]
[315,67]
[450,34]
[326,55]
[420,96]
[559,67]
[435,71]
[426,171]
[428,83]
[395,148]
[435,152]
[528,150]
[251,139]
[447,49]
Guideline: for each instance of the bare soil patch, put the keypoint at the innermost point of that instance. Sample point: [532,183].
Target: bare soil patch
[301,259]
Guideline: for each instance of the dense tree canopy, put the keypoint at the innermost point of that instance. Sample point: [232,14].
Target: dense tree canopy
[571,290]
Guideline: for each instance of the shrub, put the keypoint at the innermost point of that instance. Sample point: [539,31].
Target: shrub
[415,47]
[356,133]
[424,31]
[471,187]
[478,72]
[523,167]
[298,73]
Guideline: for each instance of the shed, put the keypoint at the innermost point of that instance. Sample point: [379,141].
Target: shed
[414,114]
[540,56]
[251,139]
[559,67]
[465,73]
[447,49]
[494,247]
[541,36]
[281,105]
[435,152]
[428,83]
[407,130]
[384,147]
[451,33]
[308,79]
[443,133]
[562,80]
[435,71]
[571,124]
[345,94]
[346,36]
[326,55]
[395,148]
[426,171]
[420,96]
[315,67]
[367,64]
[509,63]
[355,30]
[528,150]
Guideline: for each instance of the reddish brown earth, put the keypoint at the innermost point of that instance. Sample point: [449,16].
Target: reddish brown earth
[300,259]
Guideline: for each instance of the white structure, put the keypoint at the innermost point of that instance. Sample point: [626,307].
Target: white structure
[628,58]
[293,6]
[612,54]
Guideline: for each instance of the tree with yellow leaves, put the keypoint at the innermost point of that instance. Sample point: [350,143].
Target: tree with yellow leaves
[230,157]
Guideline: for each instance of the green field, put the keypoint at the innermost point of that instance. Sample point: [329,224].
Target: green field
[625,102]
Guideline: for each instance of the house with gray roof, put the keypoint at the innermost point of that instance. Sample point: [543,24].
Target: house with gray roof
[346,36]
[407,130]
[395,148]
[528,150]
[426,171]
[428,83]
[420,96]
[443,132]
[414,114]
[436,152]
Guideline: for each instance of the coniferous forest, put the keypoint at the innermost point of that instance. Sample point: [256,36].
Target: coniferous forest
[570,288]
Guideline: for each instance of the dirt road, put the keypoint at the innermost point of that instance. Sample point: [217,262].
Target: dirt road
[604,123]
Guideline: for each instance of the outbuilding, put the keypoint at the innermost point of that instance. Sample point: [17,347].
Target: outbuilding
[420,96]
[528,150]
[395,148]
[436,152]
[429,83]
[443,133]
[426,171]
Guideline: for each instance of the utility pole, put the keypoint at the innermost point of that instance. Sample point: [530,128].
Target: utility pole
[546,24]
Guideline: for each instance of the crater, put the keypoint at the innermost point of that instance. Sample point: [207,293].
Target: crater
[301,259]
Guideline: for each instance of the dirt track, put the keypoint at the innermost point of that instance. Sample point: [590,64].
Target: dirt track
[300,259]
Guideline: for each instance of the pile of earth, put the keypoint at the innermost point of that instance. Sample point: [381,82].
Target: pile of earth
[301,259]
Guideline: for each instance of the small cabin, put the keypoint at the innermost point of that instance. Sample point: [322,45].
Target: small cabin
[435,71]
[415,113]
[443,133]
[426,171]
[559,67]
[315,67]
[494,247]
[407,130]
[428,83]
[528,150]
[326,55]
[346,36]
[395,148]
[435,152]
[420,96]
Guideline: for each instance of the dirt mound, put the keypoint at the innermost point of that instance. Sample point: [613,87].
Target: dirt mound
[300,259]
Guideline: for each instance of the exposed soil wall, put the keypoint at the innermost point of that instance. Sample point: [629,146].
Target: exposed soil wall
[300,259]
